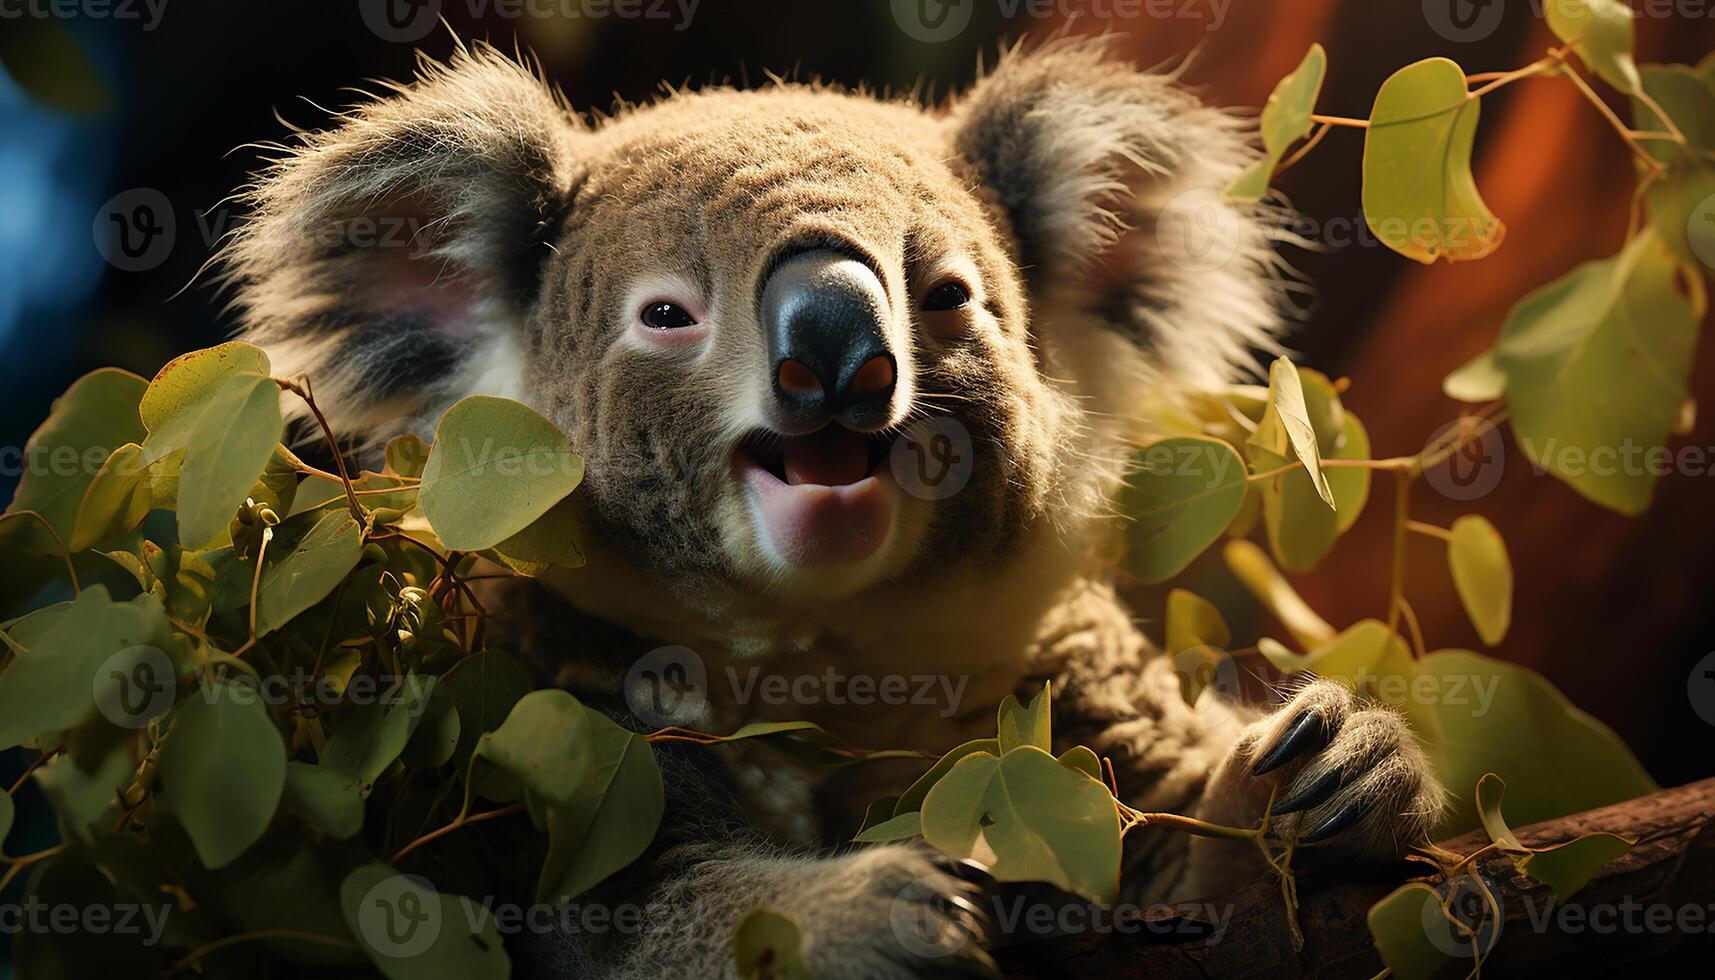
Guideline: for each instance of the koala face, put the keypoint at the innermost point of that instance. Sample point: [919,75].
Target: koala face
[768,319]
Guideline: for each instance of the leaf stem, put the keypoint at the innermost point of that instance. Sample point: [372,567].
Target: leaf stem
[1401,518]
[462,820]
[1429,530]
[1346,121]
[32,767]
[300,386]
[1614,120]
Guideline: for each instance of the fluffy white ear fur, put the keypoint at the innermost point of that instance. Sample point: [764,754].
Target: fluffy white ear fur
[1144,277]
[394,256]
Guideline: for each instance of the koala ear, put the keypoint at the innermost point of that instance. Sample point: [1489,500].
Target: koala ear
[1112,181]
[395,256]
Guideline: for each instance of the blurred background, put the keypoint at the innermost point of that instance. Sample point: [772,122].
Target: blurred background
[143,109]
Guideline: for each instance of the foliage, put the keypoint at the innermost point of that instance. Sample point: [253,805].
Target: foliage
[180,561]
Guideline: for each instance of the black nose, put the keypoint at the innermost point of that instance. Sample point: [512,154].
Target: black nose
[823,315]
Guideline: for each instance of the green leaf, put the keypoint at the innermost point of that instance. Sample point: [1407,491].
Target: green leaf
[768,946]
[1565,867]
[181,388]
[1182,493]
[1419,196]
[1252,567]
[1413,934]
[1028,818]
[53,682]
[1082,759]
[1490,789]
[309,571]
[1019,725]
[1482,575]
[1596,367]
[294,890]
[1673,200]
[913,797]
[1301,525]
[1285,120]
[223,770]
[483,687]
[95,416]
[610,818]
[326,799]
[406,455]
[116,500]
[225,453]
[1477,380]
[902,827]
[551,540]
[1193,621]
[1568,867]
[412,932]
[1287,422]
[368,738]
[85,801]
[1605,36]
[545,743]
[496,466]
[435,740]
[1501,718]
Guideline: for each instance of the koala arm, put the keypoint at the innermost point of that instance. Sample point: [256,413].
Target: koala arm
[1349,775]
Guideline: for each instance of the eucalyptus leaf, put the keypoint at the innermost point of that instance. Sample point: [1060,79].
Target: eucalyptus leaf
[610,818]
[768,946]
[223,769]
[95,416]
[1419,196]
[1020,725]
[368,738]
[327,799]
[413,932]
[1604,36]
[1182,493]
[495,467]
[309,572]
[1028,818]
[226,451]
[545,743]
[1482,575]
[1285,120]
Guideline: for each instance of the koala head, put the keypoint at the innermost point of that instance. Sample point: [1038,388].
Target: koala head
[777,322]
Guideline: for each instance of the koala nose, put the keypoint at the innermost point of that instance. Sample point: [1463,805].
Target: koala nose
[824,315]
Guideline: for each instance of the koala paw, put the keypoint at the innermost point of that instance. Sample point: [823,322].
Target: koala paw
[1341,771]
[894,911]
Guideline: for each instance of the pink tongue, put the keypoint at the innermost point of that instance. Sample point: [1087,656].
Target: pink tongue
[833,457]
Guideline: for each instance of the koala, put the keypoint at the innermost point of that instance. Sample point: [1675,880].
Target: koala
[751,310]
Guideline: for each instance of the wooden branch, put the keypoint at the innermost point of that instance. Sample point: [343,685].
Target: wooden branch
[1652,908]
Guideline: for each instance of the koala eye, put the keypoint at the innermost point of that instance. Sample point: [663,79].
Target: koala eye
[949,295]
[662,315]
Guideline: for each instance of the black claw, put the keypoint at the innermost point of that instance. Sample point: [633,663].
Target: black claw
[1311,795]
[1306,730]
[1342,821]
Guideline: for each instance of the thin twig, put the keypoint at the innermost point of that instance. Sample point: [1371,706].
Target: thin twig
[462,820]
[300,386]
[71,570]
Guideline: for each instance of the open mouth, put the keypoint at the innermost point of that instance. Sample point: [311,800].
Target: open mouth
[819,499]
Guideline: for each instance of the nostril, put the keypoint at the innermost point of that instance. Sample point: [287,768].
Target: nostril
[795,376]
[874,377]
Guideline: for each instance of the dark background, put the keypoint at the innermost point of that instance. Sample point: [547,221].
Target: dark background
[1614,611]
